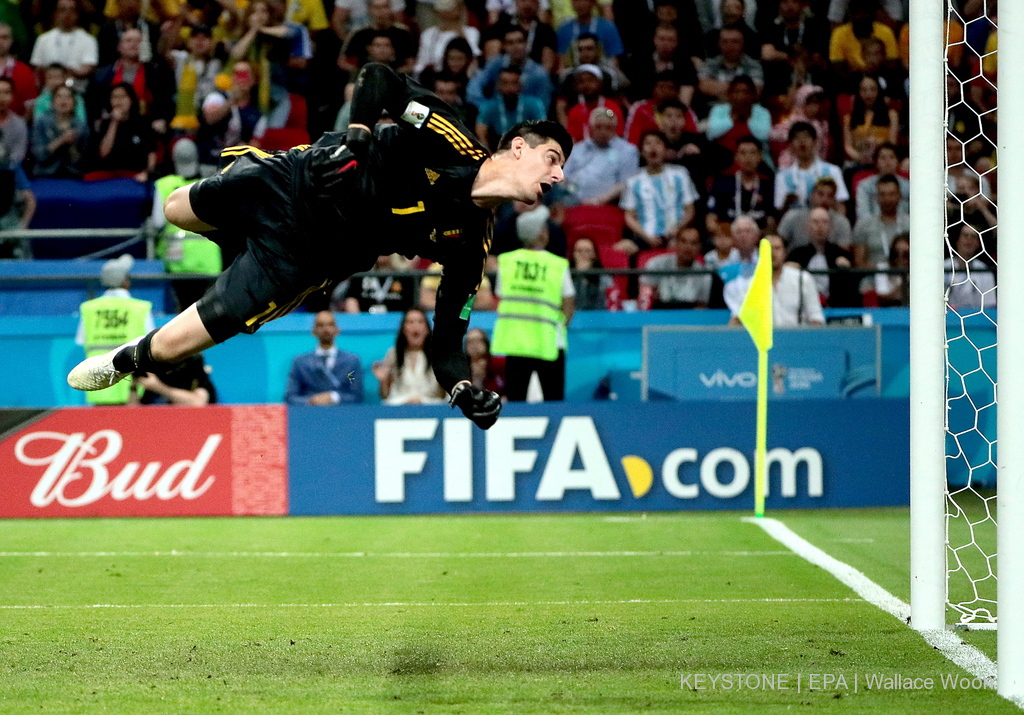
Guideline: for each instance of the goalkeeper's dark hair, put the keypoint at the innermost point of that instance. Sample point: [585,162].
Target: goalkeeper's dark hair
[536,132]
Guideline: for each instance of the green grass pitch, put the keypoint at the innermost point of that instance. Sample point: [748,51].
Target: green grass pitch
[563,613]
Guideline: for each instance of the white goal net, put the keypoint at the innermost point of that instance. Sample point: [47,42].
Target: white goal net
[971,299]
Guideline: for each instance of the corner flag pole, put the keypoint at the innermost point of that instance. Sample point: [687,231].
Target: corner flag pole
[756,316]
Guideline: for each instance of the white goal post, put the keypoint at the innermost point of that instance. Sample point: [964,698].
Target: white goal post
[930,371]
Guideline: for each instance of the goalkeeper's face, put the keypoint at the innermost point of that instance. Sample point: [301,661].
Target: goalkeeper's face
[536,169]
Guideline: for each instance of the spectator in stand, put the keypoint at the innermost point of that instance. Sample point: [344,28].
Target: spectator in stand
[870,124]
[874,233]
[541,41]
[730,63]
[887,162]
[122,143]
[67,44]
[892,11]
[327,375]
[588,52]
[347,16]
[845,51]
[57,76]
[13,130]
[458,63]
[666,59]
[687,146]
[891,289]
[746,191]
[721,241]
[129,17]
[230,117]
[741,116]
[793,227]
[152,83]
[195,73]
[793,184]
[636,22]
[60,139]
[589,87]
[533,78]
[794,36]
[743,256]
[446,86]
[380,294]
[839,288]
[890,77]
[809,107]
[677,291]
[508,107]
[972,207]
[587,21]
[382,19]
[731,14]
[956,167]
[658,201]
[404,375]
[563,11]
[186,383]
[970,274]
[488,371]
[593,292]
[600,165]
[268,43]
[644,114]
[434,40]
[17,71]
[794,296]
[497,9]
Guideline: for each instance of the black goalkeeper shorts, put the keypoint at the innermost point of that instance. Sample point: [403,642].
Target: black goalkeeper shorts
[251,204]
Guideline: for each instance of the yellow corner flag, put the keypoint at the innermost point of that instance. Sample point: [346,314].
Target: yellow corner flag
[756,312]
[756,316]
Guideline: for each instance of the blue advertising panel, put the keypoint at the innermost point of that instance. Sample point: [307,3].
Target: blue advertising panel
[601,457]
[687,363]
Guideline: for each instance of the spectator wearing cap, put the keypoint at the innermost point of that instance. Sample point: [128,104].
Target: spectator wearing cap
[195,74]
[590,90]
[730,62]
[587,21]
[599,165]
[533,78]
[67,44]
[113,319]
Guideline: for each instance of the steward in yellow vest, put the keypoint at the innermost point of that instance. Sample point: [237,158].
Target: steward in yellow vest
[537,303]
[111,320]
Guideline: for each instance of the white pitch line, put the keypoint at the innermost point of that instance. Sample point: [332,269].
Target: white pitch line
[946,642]
[387,554]
[428,604]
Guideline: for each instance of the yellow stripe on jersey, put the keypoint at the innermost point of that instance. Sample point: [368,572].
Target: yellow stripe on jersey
[410,210]
[270,309]
[242,150]
[455,137]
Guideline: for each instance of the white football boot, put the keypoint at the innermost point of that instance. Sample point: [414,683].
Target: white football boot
[97,372]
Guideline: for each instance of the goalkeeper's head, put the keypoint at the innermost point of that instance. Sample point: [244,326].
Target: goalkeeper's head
[527,163]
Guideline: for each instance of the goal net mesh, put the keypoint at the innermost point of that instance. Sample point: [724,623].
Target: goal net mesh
[970,310]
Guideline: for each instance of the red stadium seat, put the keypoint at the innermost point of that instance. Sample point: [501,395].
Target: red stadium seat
[614,258]
[602,224]
[294,131]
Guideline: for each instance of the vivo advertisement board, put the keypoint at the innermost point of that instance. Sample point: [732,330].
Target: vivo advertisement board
[596,456]
[707,363]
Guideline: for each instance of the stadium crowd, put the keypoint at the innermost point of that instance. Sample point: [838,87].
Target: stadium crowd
[699,124]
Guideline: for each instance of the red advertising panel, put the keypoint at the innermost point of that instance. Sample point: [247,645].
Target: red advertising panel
[146,461]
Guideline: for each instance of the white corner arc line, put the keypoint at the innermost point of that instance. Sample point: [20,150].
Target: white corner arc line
[946,642]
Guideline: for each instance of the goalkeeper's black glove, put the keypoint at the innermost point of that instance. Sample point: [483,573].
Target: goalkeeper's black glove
[330,166]
[480,406]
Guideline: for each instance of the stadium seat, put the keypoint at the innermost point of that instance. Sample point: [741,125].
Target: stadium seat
[293,133]
[602,224]
[614,258]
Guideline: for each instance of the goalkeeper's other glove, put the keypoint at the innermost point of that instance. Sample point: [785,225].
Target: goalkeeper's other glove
[329,166]
[481,406]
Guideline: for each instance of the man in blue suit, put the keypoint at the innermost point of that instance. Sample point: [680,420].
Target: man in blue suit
[326,376]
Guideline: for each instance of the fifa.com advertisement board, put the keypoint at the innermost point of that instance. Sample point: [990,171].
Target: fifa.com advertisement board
[144,461]
[597,456]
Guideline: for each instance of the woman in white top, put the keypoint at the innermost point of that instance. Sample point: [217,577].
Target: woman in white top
[405,375]
[451,15]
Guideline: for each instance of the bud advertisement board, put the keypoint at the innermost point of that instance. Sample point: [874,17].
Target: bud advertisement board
[144,461]
[597,456]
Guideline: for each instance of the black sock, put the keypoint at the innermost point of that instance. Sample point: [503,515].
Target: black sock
[136,358]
